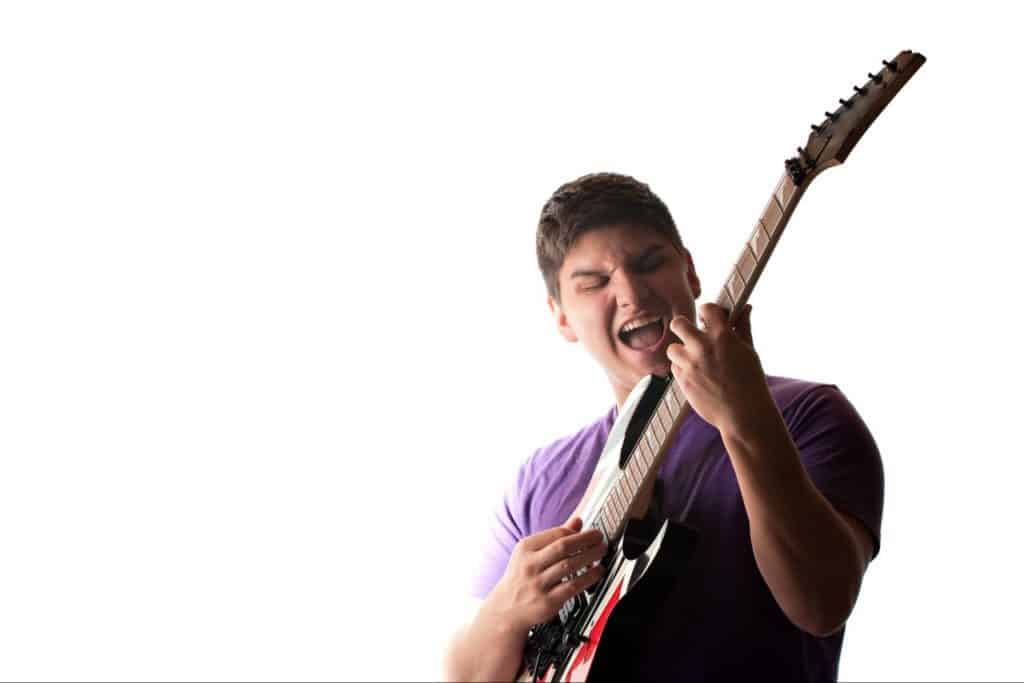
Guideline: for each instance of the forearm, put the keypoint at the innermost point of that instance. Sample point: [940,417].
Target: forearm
[806,553]
[484,650]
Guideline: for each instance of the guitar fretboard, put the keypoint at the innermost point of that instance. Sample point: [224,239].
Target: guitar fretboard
[672,407]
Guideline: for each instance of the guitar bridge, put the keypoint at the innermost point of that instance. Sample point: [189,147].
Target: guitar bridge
[554,640]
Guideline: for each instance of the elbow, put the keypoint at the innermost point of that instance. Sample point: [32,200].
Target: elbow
[822,628]
[826,616]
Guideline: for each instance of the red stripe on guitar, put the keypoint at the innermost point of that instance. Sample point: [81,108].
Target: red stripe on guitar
[580,666]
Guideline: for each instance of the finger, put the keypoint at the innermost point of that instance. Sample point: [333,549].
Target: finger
[544,538]
[565,590]
[677,354]
[566,547]
[570,565]
[688,333]
[714,317]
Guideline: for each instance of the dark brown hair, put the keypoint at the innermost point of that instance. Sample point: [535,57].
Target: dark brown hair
[593,201]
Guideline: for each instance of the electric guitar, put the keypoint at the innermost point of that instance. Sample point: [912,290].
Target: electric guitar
[593,635]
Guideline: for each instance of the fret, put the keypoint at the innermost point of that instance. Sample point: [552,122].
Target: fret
[772,216]
[626,489]
[660,419]
[606,525]
[760,239]
[615,507]
[678,395]
[610,503]
[620,500]
[658,431]
[624,499]
[643,464]
[746,264]
[640,453]
[653,447]
[785,190]
[725,299]
[639,470]
[667,415]
[630,476]
[651,453]
[735,287]
[613,517]
[609,522]
[670,400]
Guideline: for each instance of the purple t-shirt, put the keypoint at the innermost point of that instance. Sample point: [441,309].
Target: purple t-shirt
[730,626]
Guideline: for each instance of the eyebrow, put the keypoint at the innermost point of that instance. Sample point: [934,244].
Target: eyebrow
[634,261]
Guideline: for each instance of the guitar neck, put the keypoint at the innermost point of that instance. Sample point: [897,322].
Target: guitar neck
[672,409]
[759,247]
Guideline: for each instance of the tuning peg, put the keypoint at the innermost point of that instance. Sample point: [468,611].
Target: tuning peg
[795,170]
[831,116]
[875,78]
[890,65]
[860,90]
[845,103]
[803,155]
[815,128]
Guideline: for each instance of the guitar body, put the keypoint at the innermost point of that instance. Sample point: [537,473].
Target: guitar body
[641,564]
[621,612]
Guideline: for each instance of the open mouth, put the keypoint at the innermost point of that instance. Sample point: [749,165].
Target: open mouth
[646,337]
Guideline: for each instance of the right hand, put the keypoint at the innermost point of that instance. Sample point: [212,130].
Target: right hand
[532,591]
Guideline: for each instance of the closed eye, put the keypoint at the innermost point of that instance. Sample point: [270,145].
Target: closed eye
[650,265]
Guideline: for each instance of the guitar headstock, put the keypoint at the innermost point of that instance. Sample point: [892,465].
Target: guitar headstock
[832,139]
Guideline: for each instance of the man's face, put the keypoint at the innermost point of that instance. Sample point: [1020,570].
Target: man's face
[617,275]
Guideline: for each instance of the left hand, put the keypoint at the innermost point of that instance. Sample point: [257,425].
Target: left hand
[719,371]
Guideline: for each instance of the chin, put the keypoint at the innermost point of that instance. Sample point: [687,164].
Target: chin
[661,368]
[664,369]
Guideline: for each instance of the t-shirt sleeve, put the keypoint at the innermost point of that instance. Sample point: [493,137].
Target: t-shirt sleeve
[839,454]
[507,526]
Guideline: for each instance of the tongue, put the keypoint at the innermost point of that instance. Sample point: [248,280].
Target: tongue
[644,337]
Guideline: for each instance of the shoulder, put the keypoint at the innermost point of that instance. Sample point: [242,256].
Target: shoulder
[789,392]
[553,479]
[836,448]
[805,403]
[570,450]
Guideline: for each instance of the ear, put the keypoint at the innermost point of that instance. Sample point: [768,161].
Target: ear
[561,321]
[691,274]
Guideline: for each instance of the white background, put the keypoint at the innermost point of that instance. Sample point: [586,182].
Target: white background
[272,337]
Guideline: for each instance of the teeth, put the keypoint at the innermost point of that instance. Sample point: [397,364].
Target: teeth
[639,322]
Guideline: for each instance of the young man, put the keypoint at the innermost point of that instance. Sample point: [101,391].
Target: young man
[780,477]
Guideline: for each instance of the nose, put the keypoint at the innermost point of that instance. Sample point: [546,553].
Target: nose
[631,289]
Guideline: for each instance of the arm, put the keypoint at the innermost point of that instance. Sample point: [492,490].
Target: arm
[811,556]
[486,649]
